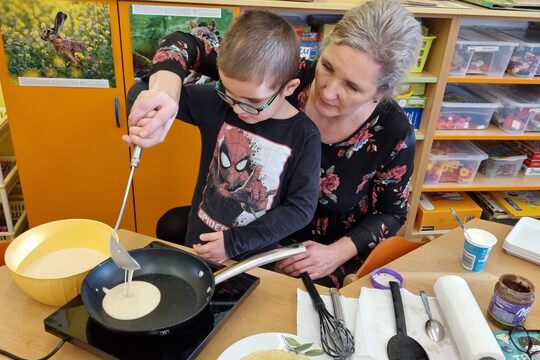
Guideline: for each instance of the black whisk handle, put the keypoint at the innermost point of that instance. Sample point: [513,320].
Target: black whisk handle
[313,293]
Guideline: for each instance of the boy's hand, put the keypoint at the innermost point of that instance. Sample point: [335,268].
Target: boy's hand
[214,249]
[319,261]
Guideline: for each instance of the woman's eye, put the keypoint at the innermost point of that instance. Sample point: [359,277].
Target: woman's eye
[352,87]
[326,67]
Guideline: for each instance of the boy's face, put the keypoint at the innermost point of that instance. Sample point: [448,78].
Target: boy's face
[252,101]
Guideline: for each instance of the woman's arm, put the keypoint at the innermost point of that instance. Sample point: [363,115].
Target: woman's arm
[155,109]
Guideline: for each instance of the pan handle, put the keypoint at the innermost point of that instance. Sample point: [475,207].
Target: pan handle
[257,260]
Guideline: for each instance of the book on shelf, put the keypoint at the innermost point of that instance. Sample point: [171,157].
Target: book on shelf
[518,203]
[521,5]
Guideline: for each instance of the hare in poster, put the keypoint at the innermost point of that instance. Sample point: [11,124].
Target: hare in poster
[71,49]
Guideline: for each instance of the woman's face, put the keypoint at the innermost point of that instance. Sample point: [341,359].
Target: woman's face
[345,81]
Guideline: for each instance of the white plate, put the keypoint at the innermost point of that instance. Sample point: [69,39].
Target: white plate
[524,235]
[266,341]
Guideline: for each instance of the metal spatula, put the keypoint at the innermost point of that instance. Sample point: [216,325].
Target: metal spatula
[119,254]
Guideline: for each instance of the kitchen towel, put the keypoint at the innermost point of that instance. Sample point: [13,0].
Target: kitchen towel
[467,334]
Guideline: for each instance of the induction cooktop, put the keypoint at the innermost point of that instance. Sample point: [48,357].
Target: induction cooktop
[72,323]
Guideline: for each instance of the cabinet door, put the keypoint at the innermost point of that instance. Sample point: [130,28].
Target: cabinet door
[66,137]
[167,173]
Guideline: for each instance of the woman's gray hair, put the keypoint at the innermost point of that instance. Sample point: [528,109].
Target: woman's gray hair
[388,32]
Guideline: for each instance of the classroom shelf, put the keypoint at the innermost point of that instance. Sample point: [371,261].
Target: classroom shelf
[480,79]
[482,183]
[493,132]
[422,77]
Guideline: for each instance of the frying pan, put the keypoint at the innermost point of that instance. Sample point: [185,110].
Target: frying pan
[185,281]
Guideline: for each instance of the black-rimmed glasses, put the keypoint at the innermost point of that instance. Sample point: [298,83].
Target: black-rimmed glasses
[250,109]
[524,342]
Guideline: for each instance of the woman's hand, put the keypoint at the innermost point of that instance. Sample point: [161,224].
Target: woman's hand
[154,110]
[213,249]
[319,260]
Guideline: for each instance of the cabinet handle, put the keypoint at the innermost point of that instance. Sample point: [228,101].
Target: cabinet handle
[116,113]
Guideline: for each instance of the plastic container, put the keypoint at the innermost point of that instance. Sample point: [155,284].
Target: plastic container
[519,104]
[479,52]
[526,56]
[512,300]
[424,51]
[462,108]
[453,161]
[504,159]
[413,106]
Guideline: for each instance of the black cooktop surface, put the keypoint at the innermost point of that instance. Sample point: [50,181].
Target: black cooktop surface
[72,323]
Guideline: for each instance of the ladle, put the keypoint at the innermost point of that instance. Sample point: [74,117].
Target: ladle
[434,328]
[119,254]
[456,216]
[401,346]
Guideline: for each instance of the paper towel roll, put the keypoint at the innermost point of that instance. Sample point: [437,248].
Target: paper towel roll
[471,332]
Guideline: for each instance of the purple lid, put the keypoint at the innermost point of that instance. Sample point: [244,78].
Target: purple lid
[380,278]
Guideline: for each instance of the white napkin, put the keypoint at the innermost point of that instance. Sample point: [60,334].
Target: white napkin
[307,318]
[467,334]
[378,324]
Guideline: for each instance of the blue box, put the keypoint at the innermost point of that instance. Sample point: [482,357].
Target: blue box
[414,115]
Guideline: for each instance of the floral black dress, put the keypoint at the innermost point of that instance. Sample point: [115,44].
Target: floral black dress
[364,179]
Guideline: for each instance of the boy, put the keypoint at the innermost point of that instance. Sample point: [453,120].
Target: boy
[258,177]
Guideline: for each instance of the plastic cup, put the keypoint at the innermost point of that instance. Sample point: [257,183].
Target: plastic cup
[476,249]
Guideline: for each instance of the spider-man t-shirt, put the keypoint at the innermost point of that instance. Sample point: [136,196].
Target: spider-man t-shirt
[258,183]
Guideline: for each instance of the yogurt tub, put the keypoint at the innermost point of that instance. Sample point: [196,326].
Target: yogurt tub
[476,249]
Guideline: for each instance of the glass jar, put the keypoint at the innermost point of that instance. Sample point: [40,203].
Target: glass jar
[512,300]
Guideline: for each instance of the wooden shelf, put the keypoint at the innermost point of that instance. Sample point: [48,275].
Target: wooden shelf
[423,77]
[506,79]
[482,183]
[493,132]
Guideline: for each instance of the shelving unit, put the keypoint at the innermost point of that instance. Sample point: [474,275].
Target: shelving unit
[493,132]
[506,79]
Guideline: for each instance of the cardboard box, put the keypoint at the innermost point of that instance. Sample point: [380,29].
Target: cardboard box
[434,210]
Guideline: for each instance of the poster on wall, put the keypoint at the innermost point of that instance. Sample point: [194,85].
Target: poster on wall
[58,43]
[150,23]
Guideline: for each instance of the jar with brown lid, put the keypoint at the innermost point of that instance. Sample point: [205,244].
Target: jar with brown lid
[512,300]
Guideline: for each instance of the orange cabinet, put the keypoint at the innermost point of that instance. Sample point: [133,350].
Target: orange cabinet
[67,140]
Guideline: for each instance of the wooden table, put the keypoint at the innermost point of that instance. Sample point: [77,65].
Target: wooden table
[272,306]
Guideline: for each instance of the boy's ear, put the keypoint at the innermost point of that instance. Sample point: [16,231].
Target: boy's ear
[291,86]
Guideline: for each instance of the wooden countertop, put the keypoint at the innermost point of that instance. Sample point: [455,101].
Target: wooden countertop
[272,305]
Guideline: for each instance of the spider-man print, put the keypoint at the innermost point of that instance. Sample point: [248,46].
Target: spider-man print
[240,186]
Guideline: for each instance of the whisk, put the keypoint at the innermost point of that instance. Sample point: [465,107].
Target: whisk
[336,340]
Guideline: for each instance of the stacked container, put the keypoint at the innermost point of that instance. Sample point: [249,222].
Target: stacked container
[504,159]
[462,108]
[520,105]
[526,56]
[478,52]
[453,161]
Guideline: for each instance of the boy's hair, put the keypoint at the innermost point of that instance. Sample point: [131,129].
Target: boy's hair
[260,46]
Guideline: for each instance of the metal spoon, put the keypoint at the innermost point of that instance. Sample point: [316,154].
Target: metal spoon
[434,328]
[456,216]
[119,254]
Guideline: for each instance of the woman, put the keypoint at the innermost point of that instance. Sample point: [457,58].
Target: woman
[367,143]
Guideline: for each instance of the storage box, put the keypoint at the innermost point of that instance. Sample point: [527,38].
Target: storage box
[453,161]
[526,56]
[504,159]
[424,51]
[478,52]
[413,106]
[462,108]
[434,210]
[519,104]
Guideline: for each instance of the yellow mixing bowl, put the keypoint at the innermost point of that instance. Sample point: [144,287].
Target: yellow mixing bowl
[57,238]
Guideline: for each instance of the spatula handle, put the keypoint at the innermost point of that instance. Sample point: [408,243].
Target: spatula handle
[398,308]
[312,291]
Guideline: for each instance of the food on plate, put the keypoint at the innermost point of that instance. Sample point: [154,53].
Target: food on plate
[276,354]
[143,298]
